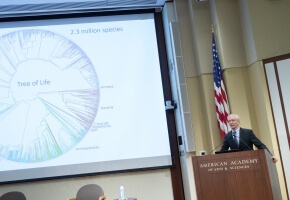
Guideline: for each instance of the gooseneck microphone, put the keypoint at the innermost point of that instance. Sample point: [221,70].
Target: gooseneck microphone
[218,146]
[235,136]
[241,140]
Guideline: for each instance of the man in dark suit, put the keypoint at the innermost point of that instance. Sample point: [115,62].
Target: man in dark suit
[241,138]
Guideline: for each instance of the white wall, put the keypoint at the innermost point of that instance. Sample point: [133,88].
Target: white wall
[280,105]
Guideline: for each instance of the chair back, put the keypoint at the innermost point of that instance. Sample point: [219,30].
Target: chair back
[89,192]
[13,195]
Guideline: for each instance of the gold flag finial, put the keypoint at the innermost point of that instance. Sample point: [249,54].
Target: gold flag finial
[212,29]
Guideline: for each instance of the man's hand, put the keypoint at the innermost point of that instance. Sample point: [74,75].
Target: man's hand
[274,159]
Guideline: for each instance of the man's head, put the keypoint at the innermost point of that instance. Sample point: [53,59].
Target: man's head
[234,121]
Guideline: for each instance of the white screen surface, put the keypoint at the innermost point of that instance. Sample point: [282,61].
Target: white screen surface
[79,96]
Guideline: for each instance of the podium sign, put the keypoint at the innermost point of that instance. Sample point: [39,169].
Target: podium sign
[238,175]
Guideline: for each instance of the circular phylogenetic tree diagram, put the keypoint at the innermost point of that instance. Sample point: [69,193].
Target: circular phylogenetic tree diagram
[49,95]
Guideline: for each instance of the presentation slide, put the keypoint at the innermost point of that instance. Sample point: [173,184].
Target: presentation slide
[80,96]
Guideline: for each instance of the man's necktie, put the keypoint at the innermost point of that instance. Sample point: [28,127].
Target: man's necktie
[236,138]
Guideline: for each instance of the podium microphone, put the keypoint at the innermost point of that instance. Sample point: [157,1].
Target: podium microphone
[248,145]
[234,135]
[218,146]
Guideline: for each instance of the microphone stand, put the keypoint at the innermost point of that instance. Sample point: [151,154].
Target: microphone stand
[218,146]
[234,135]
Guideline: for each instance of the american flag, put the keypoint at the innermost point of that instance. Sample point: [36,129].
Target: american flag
[221,100]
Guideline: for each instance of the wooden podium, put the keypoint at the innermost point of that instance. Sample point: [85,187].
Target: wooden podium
[243,175]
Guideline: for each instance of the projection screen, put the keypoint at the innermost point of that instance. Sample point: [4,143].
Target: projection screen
[80,96]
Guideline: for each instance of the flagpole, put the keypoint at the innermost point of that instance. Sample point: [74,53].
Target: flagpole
[220,94]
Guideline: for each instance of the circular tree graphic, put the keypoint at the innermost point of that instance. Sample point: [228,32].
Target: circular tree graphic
[49,95]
